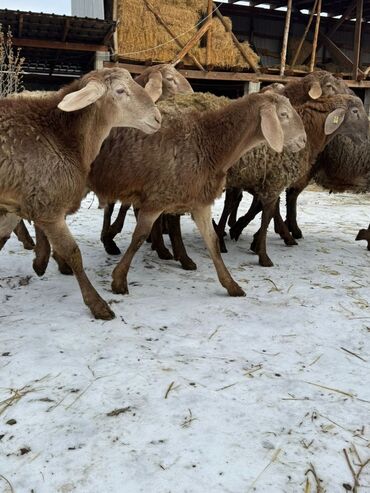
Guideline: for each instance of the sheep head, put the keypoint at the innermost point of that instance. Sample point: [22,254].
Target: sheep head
[349,119]
[281,125]
[125,103]
[166,80]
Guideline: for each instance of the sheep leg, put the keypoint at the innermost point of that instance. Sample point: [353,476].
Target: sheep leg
[109,231]
[238,198]
[63,267]
[281,228]
[8,223]
[291,206]
[364,234]
[259,242]
[242,222]
[157,240]
[178,247]
[42,252]
[23,236]
[143,227]
[229,205]
[63,242]
[203,219]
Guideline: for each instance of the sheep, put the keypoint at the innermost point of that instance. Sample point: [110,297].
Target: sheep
[345,167]
[183,167]
[170,83]
[47,146]
[311,87]
[164,81]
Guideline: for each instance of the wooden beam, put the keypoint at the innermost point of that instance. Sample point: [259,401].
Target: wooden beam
[57,45]
[192,41]
[338,54]
[20,25]
[230,76]
[285,37]
[296,55]
[172,34]
[315,36]
[209,34]
[357,39]
[66,30]
[245,55]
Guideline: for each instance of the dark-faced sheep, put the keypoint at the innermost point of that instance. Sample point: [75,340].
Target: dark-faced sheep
[345,167]
[183,167]
[47,146]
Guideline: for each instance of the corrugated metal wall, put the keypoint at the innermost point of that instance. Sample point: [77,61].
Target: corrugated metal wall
[88,8]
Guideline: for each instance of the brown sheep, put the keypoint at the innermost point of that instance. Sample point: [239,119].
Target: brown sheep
[164,81]
[169,82]
[183,167]
[47,146]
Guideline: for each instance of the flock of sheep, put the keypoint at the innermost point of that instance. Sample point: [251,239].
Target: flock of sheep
[105,133]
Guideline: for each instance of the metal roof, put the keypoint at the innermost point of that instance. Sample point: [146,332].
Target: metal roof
[56,44]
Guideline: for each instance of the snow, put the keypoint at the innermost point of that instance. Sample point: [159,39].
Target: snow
[258,388]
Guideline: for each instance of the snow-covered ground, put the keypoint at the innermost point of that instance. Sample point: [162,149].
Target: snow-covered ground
[189,390]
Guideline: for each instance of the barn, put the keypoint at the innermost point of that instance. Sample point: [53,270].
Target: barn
[187,389]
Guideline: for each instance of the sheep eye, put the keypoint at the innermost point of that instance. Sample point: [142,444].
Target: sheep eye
[328,84]
[355,111]
[284,114]
[121,91]
[171,79]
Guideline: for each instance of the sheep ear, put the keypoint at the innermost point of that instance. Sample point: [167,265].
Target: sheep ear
[82,98]
[154,86]
[315,90]
[334,120]
[271,128]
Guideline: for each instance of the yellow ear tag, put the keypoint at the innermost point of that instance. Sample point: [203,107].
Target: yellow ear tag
[336,119]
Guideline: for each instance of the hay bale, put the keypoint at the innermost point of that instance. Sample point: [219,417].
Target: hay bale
[136,43]
[304,53]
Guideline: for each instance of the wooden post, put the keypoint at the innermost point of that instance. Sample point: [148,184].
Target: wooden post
[209,34]
[285,37]
[248,59]
[172,34]
[192,41]
[294,61]
[357,39]
[315,37]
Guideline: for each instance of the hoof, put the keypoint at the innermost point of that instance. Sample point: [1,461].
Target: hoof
[111,248]
[297,234]
[236,290]
[223,248]
[102,311]
[188,264]
[28,245]
[266,262]
[235,233]
[39,268]
[164,254]
[119,288]
[290,242]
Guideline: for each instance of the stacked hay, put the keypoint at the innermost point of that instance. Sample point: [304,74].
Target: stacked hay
[139,31]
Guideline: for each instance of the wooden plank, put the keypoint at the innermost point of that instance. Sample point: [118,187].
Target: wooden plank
[172,34]
[299,47]
[285,37]
[357,39]
[192,41]
[20,25]
[230,76]
[315,36]
[57,45]
[67,25]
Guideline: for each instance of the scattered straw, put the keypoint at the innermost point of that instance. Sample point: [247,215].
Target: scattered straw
[331,389]
[170,387]
[8,483]
[273,459]
[311,470]
[362,464]
[353,354]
